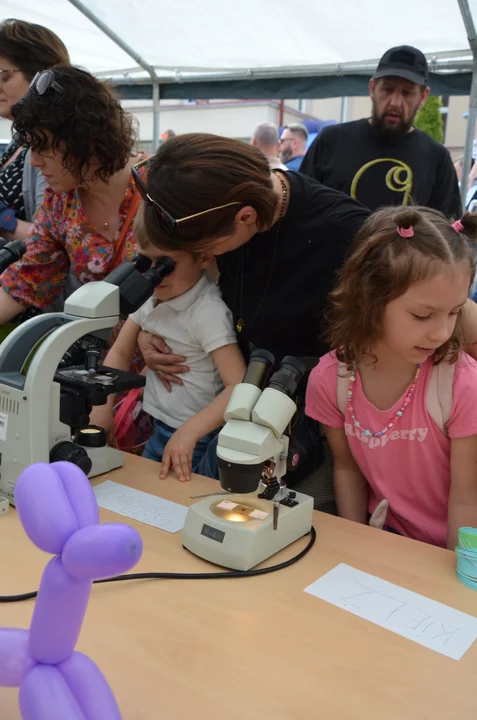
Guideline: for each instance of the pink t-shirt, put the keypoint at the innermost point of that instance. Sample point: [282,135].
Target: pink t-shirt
[410,466]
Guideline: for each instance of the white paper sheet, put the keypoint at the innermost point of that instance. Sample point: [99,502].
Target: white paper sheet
[427,622]
[141,506]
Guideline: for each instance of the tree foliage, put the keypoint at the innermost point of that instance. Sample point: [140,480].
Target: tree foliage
[429,118]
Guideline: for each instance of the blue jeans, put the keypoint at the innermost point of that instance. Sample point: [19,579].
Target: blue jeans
[155,446]
[208,463]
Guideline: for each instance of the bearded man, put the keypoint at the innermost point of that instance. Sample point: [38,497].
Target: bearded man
[384,159]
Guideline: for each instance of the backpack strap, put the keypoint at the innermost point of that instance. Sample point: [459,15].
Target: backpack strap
[123,418]
[342,386]
[440,395]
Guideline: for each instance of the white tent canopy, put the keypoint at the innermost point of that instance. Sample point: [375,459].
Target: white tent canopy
[251,36]
[191,40]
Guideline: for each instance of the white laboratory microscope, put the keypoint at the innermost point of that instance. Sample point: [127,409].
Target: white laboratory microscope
[260,516]
[44,408]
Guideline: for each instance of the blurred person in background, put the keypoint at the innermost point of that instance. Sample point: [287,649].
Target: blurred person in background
[25,49]
[265,137]
[293,142]
[167,135]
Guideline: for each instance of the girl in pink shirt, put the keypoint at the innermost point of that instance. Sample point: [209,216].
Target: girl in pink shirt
[395,314]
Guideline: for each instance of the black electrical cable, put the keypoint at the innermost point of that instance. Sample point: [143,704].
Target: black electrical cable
[186,576]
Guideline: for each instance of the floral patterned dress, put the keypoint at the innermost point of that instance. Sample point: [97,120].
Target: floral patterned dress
[61,241]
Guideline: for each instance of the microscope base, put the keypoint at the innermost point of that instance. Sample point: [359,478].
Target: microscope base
[236,531]
[104,459]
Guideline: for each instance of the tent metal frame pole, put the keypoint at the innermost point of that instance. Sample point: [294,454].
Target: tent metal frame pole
[472,118]
[155,115]
[180,75]
[133,54]
[118,76]
[344,109]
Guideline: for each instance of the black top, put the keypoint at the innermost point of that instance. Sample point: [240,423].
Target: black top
[378,171]
[279,281]
[11,179]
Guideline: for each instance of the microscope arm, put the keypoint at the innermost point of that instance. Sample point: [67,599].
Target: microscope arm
[37,396]
[89,309]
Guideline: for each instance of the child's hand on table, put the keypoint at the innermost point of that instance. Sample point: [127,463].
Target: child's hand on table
[178,455]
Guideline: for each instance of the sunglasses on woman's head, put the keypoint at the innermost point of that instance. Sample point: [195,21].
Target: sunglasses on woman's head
[166,220]
[43,81]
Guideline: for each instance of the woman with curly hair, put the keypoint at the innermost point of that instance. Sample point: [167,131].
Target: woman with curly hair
[82,142]
[25,49]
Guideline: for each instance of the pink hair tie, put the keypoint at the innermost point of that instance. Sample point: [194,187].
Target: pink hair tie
[406,232]
[457,226]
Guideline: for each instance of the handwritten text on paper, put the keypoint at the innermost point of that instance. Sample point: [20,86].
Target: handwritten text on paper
[427,622]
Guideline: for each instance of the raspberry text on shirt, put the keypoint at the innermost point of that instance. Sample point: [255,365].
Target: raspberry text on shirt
[418,434]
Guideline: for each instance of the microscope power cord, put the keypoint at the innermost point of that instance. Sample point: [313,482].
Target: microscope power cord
[187,576]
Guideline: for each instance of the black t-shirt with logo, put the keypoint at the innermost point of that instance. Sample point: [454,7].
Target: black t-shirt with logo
[278,283]
[378,171]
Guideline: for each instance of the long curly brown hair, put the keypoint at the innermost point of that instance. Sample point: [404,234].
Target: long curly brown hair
[383,265]
[85,122]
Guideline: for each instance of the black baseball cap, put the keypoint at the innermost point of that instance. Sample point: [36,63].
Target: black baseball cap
[405,62]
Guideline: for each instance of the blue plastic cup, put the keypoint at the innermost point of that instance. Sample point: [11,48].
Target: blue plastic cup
[468,538]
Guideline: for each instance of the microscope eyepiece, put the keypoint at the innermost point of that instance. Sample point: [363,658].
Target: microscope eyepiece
[136,286]
[141,262]
[259,368]
[288,375]
[161,269]
[10,253]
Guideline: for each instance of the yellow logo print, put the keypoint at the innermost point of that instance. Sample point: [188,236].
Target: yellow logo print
[398,178]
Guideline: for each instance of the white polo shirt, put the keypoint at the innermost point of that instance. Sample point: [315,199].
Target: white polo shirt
[192,325]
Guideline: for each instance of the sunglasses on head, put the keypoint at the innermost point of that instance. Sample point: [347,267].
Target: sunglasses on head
[166,220]
[44,81]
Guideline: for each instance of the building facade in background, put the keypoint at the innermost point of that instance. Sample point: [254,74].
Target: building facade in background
[238,118]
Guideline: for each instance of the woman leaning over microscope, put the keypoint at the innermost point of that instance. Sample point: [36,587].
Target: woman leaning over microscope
[82,142]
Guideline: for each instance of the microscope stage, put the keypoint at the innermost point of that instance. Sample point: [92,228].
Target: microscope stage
[237,532]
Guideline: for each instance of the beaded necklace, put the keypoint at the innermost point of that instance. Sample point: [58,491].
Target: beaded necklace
[399,413]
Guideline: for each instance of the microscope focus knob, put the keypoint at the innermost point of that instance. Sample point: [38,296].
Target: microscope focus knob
[72,453]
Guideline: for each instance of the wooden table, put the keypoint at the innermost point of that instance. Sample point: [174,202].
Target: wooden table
[256,648]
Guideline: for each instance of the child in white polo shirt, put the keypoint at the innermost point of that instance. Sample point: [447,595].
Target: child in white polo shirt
[187,311]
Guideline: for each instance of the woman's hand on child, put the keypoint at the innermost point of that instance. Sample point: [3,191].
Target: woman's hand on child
[158,357]
[178,455]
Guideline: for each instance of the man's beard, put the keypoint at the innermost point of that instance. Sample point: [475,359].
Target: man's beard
[285,155]
[394,130]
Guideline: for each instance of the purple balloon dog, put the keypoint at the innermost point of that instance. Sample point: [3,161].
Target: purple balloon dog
[59,513]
